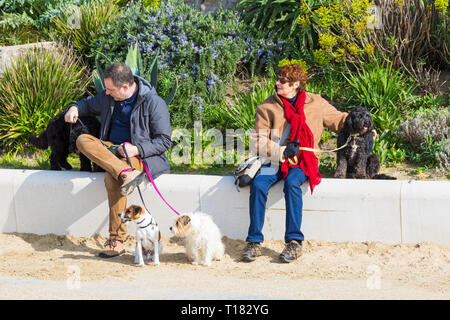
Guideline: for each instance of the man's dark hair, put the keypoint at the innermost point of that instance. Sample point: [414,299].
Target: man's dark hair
[119,73]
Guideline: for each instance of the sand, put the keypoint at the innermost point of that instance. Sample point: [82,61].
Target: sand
[67,267]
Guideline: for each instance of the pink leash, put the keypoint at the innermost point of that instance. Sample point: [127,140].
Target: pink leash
[154,185]
[152,181]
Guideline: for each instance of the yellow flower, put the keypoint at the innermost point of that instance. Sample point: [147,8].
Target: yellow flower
[340,55]
[327,41]
[325,17]
[353,49]
[304,22]
[358,8]
[369,49]
[360,27]
[151,3]
[322,57]
[345,24]
[300,62]
[441,5]
[283,62]
[335,11]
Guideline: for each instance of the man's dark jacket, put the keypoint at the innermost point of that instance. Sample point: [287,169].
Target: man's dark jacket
[149,122]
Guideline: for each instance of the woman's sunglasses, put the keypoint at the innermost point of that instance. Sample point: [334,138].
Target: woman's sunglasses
[283,80]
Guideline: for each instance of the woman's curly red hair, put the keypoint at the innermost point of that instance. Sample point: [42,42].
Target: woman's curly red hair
[294,72]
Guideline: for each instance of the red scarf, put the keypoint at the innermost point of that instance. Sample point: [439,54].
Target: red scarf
[307,160]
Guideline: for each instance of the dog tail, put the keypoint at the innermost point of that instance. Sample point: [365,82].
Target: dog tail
[383,177]
[40,142]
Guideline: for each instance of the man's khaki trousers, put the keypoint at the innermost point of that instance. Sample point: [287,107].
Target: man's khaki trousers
[96,150]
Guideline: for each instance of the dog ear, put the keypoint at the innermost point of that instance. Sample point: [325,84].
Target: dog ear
[372,125]
[347,124]
[185,220]
[137,210]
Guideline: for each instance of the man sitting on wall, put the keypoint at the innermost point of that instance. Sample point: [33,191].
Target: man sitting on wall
[130,111]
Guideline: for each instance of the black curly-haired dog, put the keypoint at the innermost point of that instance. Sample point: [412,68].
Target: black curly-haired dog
[356,160]
[61,136]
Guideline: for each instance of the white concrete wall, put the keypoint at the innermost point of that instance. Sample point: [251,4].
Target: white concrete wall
[40,202]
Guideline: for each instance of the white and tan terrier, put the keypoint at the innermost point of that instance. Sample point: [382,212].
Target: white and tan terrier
[148,236]
[203,240]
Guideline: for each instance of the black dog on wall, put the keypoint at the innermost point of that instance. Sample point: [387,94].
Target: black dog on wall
[61,136]
[356,160]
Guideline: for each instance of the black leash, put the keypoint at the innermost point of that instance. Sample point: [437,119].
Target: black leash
[78,120]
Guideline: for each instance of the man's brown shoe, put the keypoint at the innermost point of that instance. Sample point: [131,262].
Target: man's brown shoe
[112,248]
[251,251]
[291,252]
[130,180]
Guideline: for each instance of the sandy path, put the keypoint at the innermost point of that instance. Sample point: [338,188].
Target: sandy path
[66,267]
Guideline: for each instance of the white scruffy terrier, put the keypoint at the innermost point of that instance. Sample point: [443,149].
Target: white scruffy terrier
[203,240]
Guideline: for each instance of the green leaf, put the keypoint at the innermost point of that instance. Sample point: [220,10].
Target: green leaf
[154,69]
[134,60]
[168,99]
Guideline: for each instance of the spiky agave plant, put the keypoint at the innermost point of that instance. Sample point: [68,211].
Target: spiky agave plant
[134,61]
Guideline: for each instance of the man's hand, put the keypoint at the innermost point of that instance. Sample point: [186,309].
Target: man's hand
[132,150]
[71,115]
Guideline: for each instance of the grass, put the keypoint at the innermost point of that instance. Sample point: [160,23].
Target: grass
[39,160]
[406,171]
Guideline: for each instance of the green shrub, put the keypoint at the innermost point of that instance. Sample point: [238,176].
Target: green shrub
[23,21]
[379,86]
[331,85]
[240,113]
[34,89]
[147,3]
[207,146]
[284,19]
[427,138]
[431,124]
[200,48]
[389,149]
[431,154]
[82,25]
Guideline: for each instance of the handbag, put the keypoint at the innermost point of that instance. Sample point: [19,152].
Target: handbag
[247,170]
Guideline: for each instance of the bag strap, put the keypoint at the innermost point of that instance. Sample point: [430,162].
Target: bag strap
[285,134]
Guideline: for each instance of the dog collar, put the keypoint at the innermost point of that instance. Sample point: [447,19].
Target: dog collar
[151,222]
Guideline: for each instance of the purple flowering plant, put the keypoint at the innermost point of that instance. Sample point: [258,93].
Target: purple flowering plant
[201,50]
